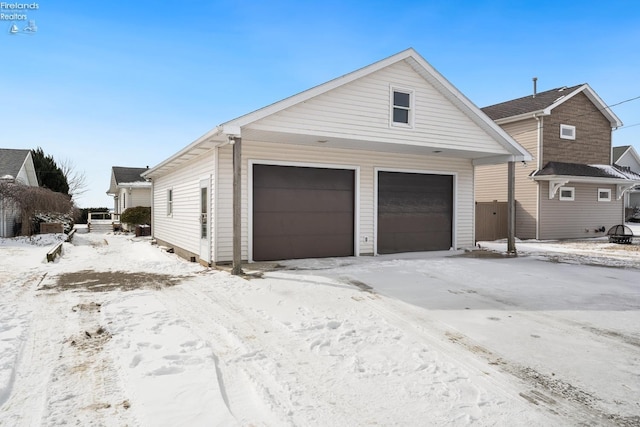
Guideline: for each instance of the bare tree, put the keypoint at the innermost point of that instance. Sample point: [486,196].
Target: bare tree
[31,200]
[77,180]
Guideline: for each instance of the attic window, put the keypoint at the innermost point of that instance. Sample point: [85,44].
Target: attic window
[401,107]
[567,132]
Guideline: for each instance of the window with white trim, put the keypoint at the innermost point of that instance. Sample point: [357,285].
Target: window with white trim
[567,193]
[170,202]
[604,194]
[401,107]
[567,132]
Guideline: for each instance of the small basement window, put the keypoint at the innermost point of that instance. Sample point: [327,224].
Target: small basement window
[567,193]
[169,201]
[402,107]
[567,132]
[604,194]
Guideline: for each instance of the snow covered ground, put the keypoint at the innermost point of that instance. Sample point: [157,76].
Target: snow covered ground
[117,332]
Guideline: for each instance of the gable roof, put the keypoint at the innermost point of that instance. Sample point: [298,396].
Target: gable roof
[12,160]
[619,152]
[544,102]
[19,165]
[233,128]
[127,175]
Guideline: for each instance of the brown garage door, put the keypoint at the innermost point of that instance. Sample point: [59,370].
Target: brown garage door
[302,212]
[415,212]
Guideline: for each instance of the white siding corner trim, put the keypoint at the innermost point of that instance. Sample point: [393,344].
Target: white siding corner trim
[454,219]
[356,219]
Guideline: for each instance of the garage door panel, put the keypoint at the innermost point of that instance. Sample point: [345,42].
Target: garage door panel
[302,212]
[295,247]
[415,212]
[291,177]
[414,222]
[302,200]
[408,242]
[270,224]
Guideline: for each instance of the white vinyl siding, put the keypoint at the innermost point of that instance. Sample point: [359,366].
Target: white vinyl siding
[361,110]
[182,228]
[580,217]
[9,214]
[130,198]
[491,181]
[366,162]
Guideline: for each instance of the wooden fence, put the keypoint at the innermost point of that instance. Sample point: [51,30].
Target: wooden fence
[491,220]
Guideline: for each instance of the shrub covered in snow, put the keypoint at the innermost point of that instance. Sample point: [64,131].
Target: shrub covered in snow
[66,220]
[136,216]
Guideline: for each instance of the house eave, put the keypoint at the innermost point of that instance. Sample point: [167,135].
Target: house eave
[525,116]
[585,179]
[557,181]
[498,159]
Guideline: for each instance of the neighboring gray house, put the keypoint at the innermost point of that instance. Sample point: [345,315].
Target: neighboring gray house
[16,166]
[571,189]
[627,157]
[380,160]
[128,188]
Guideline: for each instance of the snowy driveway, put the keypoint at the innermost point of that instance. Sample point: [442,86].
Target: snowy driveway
[117,332]
[563,317]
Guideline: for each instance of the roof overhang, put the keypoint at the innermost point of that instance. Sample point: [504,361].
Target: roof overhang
[557,181]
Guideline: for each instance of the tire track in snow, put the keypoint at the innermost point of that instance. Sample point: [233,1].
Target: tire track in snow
[217,323]
[557,396]
[484,367]
[346,358]
[27,400]
[251,349]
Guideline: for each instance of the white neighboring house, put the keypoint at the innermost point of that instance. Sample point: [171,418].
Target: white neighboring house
[129,189]
[627,157]
[380,160]
[16,166]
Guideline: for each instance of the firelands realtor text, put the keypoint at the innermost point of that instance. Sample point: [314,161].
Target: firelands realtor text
[15,11]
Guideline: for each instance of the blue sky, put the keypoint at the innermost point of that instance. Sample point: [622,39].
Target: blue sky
[130,83]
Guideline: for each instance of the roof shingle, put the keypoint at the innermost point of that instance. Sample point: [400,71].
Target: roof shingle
[528,104]
[124,174]
[11,160]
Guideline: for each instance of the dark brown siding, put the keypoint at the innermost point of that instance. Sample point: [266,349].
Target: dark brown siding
[415,212]
[593,134]
[301,212]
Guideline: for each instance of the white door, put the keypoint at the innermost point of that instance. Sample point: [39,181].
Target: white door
[205,222]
